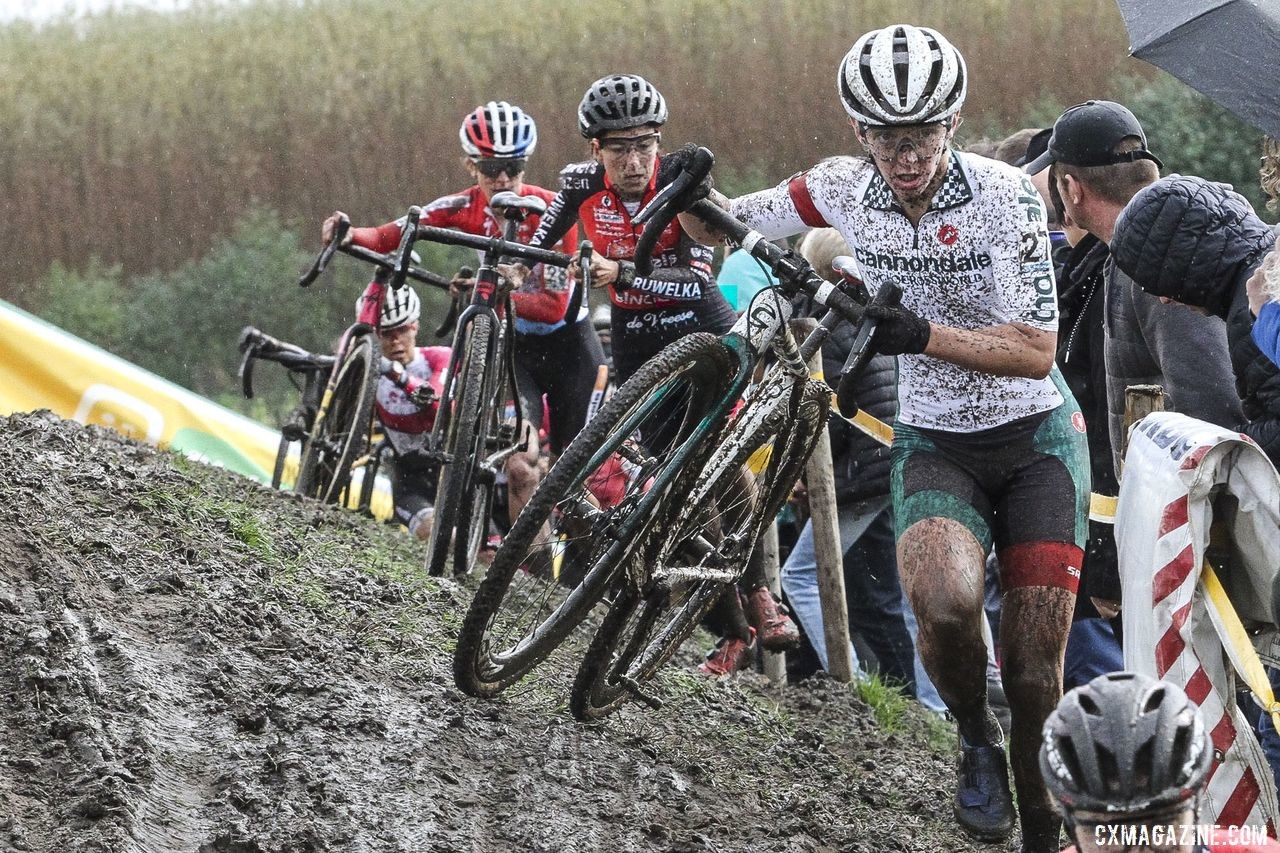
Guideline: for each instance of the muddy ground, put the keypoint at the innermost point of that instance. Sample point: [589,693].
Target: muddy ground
[191,662]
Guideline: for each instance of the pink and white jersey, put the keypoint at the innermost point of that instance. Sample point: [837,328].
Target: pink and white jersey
[978,258]
[405,423]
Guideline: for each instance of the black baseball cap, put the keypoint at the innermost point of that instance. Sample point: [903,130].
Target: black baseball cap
[1084,135]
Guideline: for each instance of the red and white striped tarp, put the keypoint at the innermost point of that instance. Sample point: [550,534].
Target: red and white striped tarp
[1176,470]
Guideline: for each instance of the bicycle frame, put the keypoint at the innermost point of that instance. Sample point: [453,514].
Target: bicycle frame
[486,299]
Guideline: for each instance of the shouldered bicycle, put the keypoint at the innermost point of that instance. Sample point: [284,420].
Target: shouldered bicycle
[657,504]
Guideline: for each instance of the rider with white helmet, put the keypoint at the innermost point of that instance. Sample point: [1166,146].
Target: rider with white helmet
[406,409]
[989,448]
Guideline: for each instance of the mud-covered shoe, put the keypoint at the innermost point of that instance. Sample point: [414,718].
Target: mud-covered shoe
[983,805]
[776,630]
[730,655]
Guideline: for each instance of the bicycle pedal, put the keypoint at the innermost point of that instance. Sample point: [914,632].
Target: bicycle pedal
[639,695]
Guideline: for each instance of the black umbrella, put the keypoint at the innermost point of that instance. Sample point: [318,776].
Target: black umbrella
[1228,50]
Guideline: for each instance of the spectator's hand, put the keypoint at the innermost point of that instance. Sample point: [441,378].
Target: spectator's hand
[1256,286]
[1108,608]
[330,225]
[898,330]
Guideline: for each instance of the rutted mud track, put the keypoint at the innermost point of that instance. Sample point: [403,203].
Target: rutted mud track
[190,662]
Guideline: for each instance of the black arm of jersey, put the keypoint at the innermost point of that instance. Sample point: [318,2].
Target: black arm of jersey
[686,279]
[556,222]
[577,182]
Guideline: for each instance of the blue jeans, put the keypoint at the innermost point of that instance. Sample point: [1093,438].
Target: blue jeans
[1092,650]
[1267,735]
[878,610]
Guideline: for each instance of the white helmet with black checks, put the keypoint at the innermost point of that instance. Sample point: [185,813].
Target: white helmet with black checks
[400,307]
[902,75]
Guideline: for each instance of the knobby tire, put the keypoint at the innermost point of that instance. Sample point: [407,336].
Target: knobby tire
[452,520]
[340,432]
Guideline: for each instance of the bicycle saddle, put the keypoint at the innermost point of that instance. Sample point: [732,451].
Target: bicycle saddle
[512,206]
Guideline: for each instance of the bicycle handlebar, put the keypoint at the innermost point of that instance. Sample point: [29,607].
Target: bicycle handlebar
[360,253]
[495,245]
[256,344]
[793,272]
[666,205]
[861,353]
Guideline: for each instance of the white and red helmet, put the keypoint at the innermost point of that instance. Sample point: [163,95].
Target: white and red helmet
[902,75]
[400,307]
[498,130]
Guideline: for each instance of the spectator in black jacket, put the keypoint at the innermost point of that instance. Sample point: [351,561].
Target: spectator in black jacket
[877,607]
[1099,160]
[1196,242]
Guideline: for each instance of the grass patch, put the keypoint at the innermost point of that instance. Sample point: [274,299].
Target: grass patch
[888,703]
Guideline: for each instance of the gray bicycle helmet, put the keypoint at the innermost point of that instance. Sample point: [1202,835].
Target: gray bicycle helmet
[619,102]
[1125,744]
[902,75]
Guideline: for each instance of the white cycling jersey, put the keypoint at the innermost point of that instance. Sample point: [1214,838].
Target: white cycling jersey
[979,258]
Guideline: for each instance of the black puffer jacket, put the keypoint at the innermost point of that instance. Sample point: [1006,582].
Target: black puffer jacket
[1198,242]
[860,463]
[1083,366]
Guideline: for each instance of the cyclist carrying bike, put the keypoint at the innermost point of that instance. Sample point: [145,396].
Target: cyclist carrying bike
[407,411]
[555,355]
[622,115]
[989,447]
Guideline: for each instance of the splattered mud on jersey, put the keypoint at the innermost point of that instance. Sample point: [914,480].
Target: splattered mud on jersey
[979,258]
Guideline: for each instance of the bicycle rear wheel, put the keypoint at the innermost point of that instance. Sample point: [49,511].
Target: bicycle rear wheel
[341,428]
[702,555]
[561,555]
[464,445]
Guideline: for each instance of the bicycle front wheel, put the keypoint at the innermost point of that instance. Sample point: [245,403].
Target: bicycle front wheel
[464,445]
[342,426]
[561,555]
[282,456]
[702,555]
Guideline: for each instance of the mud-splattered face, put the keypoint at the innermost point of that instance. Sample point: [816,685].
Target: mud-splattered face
[909,157]
[629,157]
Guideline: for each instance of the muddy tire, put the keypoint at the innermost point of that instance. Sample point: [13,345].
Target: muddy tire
[561,556]
[642,631]
[340,433]
[464,441]
[282,455]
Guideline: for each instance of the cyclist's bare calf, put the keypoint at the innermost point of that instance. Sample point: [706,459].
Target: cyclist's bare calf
[942,569]
[1034,623]
[523,473]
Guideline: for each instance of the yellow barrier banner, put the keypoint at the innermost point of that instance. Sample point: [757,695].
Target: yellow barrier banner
[44,367]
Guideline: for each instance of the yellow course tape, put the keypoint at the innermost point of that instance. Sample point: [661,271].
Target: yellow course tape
[1238,645]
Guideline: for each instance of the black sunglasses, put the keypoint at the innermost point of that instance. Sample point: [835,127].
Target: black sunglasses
[494,168]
